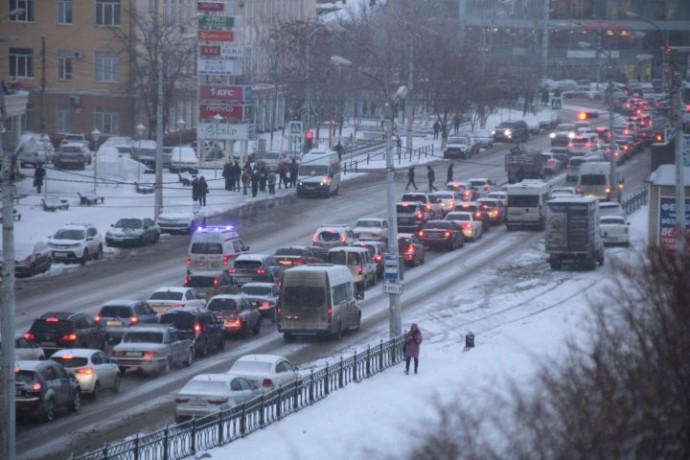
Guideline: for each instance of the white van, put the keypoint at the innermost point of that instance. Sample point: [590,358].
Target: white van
[358,260]
[319,174]
[526,204]
[594,179]
[318,299]
[184,159]
[214,248]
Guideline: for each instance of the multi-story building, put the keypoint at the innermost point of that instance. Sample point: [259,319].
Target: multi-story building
[575,38]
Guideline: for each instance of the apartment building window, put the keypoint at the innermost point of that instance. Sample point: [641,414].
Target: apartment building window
[107,67]
[21,63]
[108,12]
[65,65]
[65,11]
[107,121]
[27,7]
[63,120]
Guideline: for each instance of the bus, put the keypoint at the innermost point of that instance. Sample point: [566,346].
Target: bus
[526,204]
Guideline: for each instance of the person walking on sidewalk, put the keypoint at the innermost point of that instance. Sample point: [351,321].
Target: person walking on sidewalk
[203,191]
[271,182]
[410,179]
[39,176]
[294,170]
[413,340]
[437,129]
[449,173]
[227,175]
[431,175]
[246,179]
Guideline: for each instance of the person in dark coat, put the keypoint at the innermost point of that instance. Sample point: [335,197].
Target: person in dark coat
[236,173]
[246,179]
[431,175]
[294,170]
[203,191]
[256,177]
[437,129]
[410,179]
[195,189]
[413,340]
[283,170]
[39,177]
[227,175]
[271,182]
[449,173]
[339,149]
[263,176]
[456,123]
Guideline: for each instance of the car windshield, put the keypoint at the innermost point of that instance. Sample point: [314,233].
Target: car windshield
[303,296]
[523,201]
[181,320]
[204,386]
[115,311]
[223,304]
[256,290]
[68,149]
[251,366]
[404,242]
[52,325]
[202,281]
[71,362]
[592,179]
[247,264]
[343,258]
[437,224]
[129,223]
[166,295]
[313,170]
[207,248]
[612,220]
[413,197]
[405,208]
[143,337]
[69,234]
[24,377]
[289,252]
[458,216]
[458,140]
[329,236]
[369,223]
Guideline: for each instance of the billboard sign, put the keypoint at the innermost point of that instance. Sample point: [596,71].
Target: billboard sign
[216,22]
[667,222]
[211,7]
[226,131]
[216,35]
[233,93]
[225,67]
[223,50]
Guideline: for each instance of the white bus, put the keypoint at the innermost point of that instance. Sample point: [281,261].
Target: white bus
[594,179]
[526,204]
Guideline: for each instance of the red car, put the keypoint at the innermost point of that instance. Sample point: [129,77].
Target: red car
[411,249]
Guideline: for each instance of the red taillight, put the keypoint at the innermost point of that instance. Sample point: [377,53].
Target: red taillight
[267,383]
[378,257]
[420,233]
[478,215]
[133,320]
[342,238]
[181,400]
[36,387]
[226,261]
[314,239]
[329,315]
[97,318]
[446,234]
[186,281]
[466,225]
[260,271]
[218,400]
[266,304]
[410,249]
[52,320]
[188,260]
[29,336]
[197,328]
[298,262]
[419,215]
[84,371]
[216,282]
[360,270]
[232,270]
[69,337]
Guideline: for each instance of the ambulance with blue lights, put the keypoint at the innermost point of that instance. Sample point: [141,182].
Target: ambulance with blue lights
[213,248]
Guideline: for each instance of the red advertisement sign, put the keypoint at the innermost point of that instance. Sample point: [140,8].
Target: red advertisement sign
[228,112]
[216,35]
[209,50]
[210,7]
[234,93]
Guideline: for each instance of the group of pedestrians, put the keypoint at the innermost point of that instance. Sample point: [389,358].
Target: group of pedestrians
[430,175]
[259,177]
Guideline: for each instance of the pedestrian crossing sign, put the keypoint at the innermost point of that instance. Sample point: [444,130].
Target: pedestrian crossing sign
[556,103]
[295,128]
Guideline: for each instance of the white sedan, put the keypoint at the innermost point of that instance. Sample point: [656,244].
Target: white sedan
[93,369]
[371,228]
[164,298]
[207,394]
[266,371]
[472,228]
[445,198]
[614,230]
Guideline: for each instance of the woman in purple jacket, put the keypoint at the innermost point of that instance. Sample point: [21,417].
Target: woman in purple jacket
[413,339]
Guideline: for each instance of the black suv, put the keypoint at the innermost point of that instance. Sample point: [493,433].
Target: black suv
[208,330]
[255,267]
[56,330]
[42,387]
[115,316]
[511,131]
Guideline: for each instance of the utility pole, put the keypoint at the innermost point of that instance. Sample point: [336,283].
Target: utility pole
[158,200]
[43,86]
[7,352]
[677,114]
[395,320]
[408,104]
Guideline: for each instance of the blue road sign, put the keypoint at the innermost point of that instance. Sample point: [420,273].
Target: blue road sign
[390,267]
[295,128]
[556,103]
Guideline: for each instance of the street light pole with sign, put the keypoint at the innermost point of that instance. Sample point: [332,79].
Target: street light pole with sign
[393,289]
[96,136]
[180,126]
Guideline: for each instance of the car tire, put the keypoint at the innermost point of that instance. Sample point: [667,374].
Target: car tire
[338,334]
[156,238]
[116,384]
[190,358]
[288,337]
[84,257]
[122,370]
[99,252]
[165,370]
[48,410]
[257,327]
[221,343]
[75,405]
[96,391]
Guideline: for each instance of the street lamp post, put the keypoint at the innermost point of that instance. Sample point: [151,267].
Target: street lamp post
[395,321]
[95,135]
[180,126]
[615,190]
[140,132]
[217,118]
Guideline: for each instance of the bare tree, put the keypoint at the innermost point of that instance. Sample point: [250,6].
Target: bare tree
[624,394]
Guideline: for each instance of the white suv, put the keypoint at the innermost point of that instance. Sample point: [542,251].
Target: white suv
[76,243]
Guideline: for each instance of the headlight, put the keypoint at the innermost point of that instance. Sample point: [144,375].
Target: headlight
[326,181]
[507,133]
[552,135]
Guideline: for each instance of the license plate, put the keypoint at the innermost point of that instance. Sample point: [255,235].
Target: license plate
[197,403]
[133,353]
[48,344]
[114,323]
[59,254]
[284,262]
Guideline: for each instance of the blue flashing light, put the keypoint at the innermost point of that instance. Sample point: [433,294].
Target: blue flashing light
[215,228]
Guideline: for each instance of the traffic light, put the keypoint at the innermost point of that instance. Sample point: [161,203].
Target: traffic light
[659,138]
[308,141]
[582,116]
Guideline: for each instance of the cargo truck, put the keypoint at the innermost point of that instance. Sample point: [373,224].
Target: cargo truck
[521,164]
[572,233]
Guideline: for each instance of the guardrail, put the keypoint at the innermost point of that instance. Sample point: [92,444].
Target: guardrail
[362,159]
[198,434]
[635,200]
